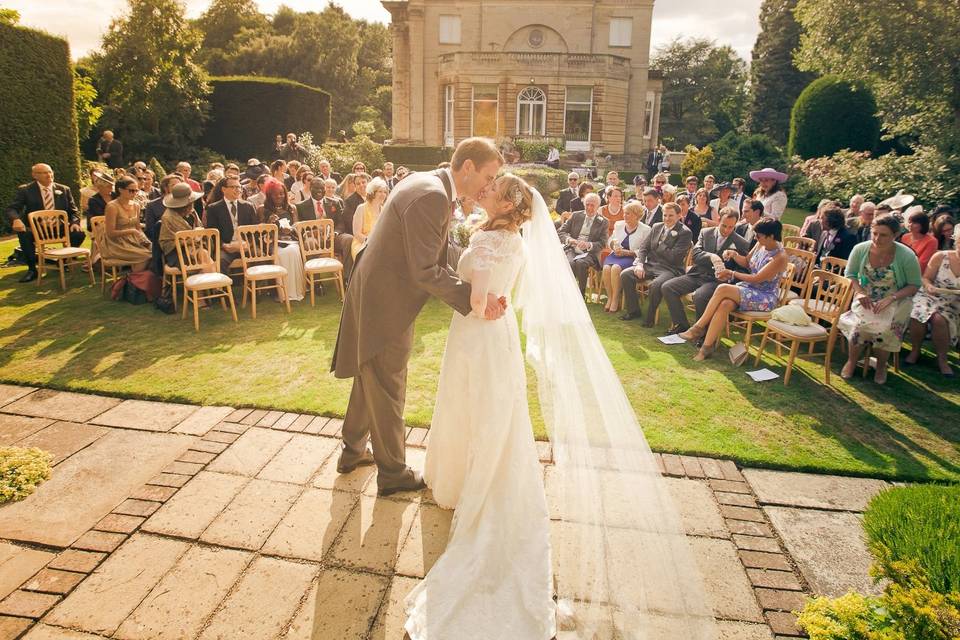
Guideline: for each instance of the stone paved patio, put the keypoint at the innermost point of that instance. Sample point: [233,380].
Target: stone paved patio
[167,521]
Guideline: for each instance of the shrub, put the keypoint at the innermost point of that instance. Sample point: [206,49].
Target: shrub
[543,179]
[536,149]
[833,114]
[736,155]
[696,161]
[343,155]
[246,112]
[157,168]
[21,470]
[37,119]
[413,156]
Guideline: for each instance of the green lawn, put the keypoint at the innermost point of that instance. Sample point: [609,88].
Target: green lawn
[909,429]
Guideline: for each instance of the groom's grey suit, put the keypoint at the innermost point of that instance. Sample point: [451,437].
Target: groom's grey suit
[403,263]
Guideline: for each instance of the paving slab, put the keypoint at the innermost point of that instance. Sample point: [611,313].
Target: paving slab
[426,541]
[250,452]
[181,602]
[203,420]
[311,526]
[46,632]
[299,459]
[728,588]
[17,565]
[63,439]
[14,428]
[252,515]
[105,599]
[196,505]
[74,560]
[374,531]
[356,480]
[11,392]
[784,488]
[341,604]
[393,615]
[699,512]
[828,547]
[146,415]
[61,405]
[11,627]
[743,631]
[27,604]
[566,542]
[88,485]
[263,602]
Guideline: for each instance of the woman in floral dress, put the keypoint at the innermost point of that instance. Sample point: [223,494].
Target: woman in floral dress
[936,308]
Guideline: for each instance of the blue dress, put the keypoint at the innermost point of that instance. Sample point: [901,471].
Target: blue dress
[622,261]
[760,296]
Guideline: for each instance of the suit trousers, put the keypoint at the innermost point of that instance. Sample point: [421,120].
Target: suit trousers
[674,290]
[29,247]
[375,411]
[654,290]
[344,249]
[581,263]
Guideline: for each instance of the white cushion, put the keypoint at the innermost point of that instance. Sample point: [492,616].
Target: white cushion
[267,271]
[208,280]
[66,252]
[815,305]
[321,265]
[792,295]
[810,331]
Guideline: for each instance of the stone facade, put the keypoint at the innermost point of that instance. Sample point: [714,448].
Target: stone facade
[576,69]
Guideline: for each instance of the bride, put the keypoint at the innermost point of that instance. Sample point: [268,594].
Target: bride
[624,569]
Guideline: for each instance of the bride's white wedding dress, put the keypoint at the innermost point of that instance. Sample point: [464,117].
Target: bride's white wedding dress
[494,580]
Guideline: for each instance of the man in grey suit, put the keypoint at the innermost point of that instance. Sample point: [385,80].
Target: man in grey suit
[700,280]
[403,263]
[661,258]
[584,235]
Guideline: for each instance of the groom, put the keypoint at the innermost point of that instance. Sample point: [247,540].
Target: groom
[403,263]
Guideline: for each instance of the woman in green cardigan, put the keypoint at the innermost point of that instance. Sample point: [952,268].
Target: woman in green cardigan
[886,275]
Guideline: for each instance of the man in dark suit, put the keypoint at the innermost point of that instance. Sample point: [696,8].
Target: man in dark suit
[228,214]
[354,200]
[333,209]
[312,207]
[751,216]
[327,174]
[861,225]
[654,158]
[110,150]
[389,176]
[835,240]
[43,194]
[701,280]
[653,211]
[661,258]
[584,235]
[568,195]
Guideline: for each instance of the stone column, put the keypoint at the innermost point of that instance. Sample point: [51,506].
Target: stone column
[416,60]
[401,76]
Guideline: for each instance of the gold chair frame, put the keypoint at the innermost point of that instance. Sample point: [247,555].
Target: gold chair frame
[317,241]
[745,319]
[190,244]
[51,228]
[259,246]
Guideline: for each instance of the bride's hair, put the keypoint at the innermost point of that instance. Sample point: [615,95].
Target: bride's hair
[514,190]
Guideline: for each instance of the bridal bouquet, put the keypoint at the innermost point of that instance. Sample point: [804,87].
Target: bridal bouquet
[462,230]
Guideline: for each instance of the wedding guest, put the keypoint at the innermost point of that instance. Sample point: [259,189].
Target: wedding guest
[402,172]
[885,275]
[301,188]
[812,225]
[277,210]
[103,193]
[752,215]
[254,170]
[110,150]
[278,170]
[669,193]
[180,218]
[359,167]
[293,150]
[357,198]
[856,202]
[770,191]
[348,186]
[738,196]
[87,191]
[936,307]
[568,195]
[722,196]
[691,182]
[689,219]
[660,183]
[123,240]
[861,225]
[584,235]
[226,215]
[147,187]
[326,173]
[152,214]
[613,180]
[311,208]
[919,238]
[627,237]
[709,183]
[757,290]
[661,258]
[369,213]
[257,197]
[652,209]
[577,203]
[343,234]
[703,210]
[613,210]
[232,170]
[389,175]
[835,240]
[293,166]
[184,169]
[943,226]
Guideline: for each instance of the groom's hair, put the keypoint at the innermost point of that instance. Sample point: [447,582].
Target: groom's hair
[480,150]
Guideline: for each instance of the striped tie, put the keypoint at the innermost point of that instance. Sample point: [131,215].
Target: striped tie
[48,203]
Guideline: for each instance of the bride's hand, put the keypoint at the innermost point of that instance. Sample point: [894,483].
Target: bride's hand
[495,308]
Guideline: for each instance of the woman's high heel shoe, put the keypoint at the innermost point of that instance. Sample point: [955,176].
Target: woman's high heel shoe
[693,334]
[705,352]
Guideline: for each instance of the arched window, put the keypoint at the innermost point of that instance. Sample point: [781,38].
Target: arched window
[531,112]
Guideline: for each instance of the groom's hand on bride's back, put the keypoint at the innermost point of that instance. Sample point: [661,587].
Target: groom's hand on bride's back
[495,307]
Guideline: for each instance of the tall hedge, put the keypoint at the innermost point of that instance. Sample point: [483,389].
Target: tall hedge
[37,119]
[833,114]
[247,112]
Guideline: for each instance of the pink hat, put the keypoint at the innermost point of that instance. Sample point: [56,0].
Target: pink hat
[763,174]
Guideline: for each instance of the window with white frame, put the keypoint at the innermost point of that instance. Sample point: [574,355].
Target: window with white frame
[485,103]
[449,29]
[621,32]
[531,112]
[648,114]
[577,118]
[448,115]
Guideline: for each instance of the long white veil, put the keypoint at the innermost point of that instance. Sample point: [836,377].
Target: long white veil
[625,567]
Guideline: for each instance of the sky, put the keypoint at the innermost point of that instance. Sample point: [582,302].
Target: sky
[82,22]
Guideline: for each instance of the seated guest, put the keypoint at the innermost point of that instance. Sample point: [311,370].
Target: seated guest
[660,183]
[43,194]
[626,239]
[835,240]
[226,215]
[613,180]
[885,275]
[312,207]
[182,218]
[87,192]
[661,258]
[360,167]
[149,190]
[568,195]
[301,188]
[152,214]
[232,170]
[812,225]
[257,197]
[691,192]
[123,240]
[689,219]
[943,226]
[613,210]
[738,197]
[653,211]
[584,235]
[861,225]
[347,186]
[709,183]
[184,169]
[577,203]
[856,202]
[278,170]
[919,239]
[701,278]
[757,290]
[936,307]
[389,175]
[366,215]
[358,197]
[326,171]
[669,193]
[277,210]
[701,207]
[254,170]
[103,193]
[752,215]
[723,198]
[342,228]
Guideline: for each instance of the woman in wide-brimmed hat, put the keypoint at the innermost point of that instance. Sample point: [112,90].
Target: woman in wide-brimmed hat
[770,192]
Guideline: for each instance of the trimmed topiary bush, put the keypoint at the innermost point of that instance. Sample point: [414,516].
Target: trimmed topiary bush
[833,114]
[247,112]
[37,119]
[416,156]
[735,155]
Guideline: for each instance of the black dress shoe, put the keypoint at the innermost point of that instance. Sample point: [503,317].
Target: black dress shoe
[648,324]
[412,482]
[29,276]
[630,316]
[347,466]
[677,328]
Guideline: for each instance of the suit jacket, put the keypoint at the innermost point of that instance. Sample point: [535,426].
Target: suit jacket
[597,238]
[653,217]
[841,247]
[218,217]
[665,249]
[709,243]
[566,197]
[28,199]
[115,149]
[151,220]
[745,230]
[350,206]
[333,175]
[403,263]
[307,210]
[333,209]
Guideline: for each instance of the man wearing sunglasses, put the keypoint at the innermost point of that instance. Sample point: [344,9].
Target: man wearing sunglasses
[569,194]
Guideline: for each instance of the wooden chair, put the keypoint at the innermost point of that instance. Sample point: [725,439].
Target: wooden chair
[317,250]
[789,230]
[99,231]
[836,266]
[832,299]
[198,284]
[172,275]
[258,252]
[51,235]
[745,319]
[804,262]
[796,242]
[594,286]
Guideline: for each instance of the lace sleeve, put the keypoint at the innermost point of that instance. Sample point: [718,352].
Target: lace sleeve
[489,248]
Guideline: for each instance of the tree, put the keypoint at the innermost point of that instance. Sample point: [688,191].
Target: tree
[9,16]
[153,92]
[833,114]
[224,20]
[907,53]
[704,91]
[774,79]
[85,103]
[736,154]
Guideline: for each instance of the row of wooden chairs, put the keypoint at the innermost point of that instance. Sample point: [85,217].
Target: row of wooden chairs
[51,235]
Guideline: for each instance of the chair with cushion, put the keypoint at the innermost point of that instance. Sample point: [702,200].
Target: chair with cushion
[789,230]
[796,242]
[745,319]
[52,237]
[831,299]
[317,248]
[258,252]
[198,284]
[98,224]
[803,262]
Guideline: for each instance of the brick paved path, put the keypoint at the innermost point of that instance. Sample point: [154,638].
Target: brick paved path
[173,521]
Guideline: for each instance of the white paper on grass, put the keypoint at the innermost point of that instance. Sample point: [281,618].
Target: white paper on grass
[762,375]
[671,339]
